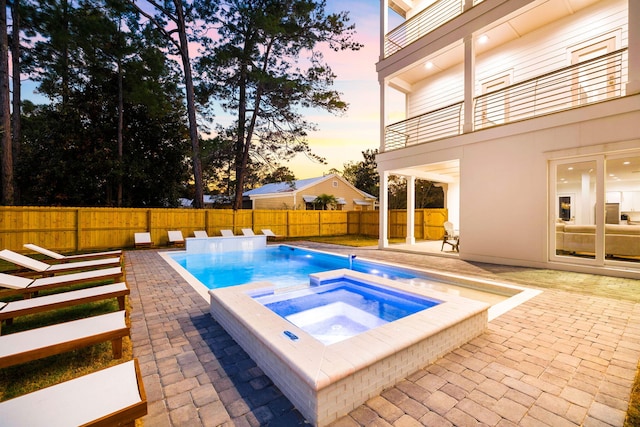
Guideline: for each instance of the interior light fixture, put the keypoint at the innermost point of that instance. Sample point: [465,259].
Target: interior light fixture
[483,39]
[428,65]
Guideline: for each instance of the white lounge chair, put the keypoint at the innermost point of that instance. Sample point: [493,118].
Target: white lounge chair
[72,258]
[40,267]
[27,287]
[142,240]
[42,342]
[270,234]
[247,232]
[10,310]
[200,234]
[176,238]
[227,233]
[451,237]
[113,396]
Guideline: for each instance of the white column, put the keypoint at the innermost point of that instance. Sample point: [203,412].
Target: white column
[384,24]
[411,206]
[383,239]
[633,85]
[469,82]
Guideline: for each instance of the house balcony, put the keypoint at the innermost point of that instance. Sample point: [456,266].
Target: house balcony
[435,15]
[596,80]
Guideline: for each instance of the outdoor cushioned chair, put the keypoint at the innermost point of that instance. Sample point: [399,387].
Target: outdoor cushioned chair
[142,240]
[227,233]
[42,268]
[37,343]
[113,396]
[450,237]
[9,310]
[176,238]
[270,234]
[27,287]
[72,258]
[247,232]
[200,234]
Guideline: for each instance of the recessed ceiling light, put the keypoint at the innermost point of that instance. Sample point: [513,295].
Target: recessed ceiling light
[626,163]
[483,39]
[428,65]
[570,168]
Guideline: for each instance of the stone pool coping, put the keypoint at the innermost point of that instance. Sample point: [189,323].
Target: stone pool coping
[327,381]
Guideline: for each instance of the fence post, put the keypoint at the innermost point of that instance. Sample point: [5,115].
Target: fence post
[78,237]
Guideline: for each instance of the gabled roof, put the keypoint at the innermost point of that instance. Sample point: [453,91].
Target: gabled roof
[284,187]
[296,186]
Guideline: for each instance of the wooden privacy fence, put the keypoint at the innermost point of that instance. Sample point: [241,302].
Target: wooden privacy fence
[81,229]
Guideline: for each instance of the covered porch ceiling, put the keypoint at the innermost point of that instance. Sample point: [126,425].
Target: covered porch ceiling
[444,172]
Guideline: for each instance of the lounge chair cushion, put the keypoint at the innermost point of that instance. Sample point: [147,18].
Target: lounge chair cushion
[14,282]
[200,234]
[39,266]
[60,257]
[37,343]
[226,233]
[248,232]
[63,299]
[114,396]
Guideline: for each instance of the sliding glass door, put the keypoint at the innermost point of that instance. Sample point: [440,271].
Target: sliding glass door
[595,209]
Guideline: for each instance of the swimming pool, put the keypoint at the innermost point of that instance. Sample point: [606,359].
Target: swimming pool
[286,266]
[335,310]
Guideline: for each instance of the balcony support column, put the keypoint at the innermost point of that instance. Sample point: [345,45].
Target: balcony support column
[383,238]
[469,82]
[411,212]
[633,85]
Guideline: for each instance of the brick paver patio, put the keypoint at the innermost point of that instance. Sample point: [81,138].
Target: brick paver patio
[565,358]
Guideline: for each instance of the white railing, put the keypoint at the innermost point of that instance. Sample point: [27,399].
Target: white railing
[423,23]
[588,82]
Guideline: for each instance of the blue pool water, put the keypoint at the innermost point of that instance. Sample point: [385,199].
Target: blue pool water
[281,265]
[337,309]
[381,302]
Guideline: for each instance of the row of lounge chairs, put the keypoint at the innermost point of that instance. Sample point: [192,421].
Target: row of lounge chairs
[176,237]
[112,396]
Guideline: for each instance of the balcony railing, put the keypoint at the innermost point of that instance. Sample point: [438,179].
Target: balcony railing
[440,123]
[432,17]
[584,83]
[588,82]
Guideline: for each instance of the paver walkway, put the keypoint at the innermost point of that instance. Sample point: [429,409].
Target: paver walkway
[565,358]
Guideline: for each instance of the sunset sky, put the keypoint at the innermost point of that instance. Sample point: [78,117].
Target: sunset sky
[338,139]
[342,139]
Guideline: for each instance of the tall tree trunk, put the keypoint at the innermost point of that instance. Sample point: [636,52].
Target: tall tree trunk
[198,201]
[16,121]
[5,110]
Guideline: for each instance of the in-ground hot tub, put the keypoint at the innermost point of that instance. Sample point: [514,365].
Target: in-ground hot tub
[326,381]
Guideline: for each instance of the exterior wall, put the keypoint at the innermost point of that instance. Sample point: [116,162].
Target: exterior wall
[504,175]
[341,190]
[283,202]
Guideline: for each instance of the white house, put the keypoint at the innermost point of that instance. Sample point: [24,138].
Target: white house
[528,113]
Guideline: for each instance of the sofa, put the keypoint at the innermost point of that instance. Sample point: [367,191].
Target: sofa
[621,240]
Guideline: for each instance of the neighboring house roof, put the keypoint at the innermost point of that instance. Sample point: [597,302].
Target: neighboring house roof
[283,187]
[278,188]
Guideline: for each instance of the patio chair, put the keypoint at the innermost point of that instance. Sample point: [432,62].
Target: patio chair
[227,233]
[271,235]
[247,232]
[10,310]
[450,237]
[72,258]
[46,341]
[27,286]
[142,240]
[200,234]
[42,268]
[113,396]
[176,238]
